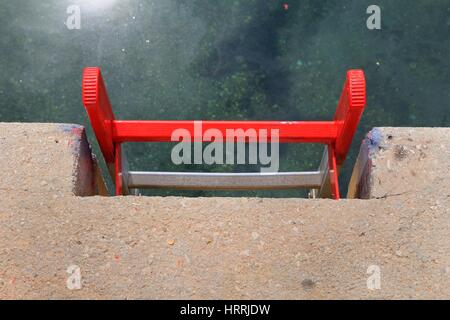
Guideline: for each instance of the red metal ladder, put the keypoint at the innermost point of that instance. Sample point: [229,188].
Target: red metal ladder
[336,135]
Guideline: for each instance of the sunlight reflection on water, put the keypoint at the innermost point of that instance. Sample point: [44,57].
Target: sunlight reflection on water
[94,5]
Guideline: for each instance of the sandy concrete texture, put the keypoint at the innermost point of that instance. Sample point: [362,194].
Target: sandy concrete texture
[400,161]
[48,159]
[220,248]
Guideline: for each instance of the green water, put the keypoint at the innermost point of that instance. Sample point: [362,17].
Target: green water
[205,59]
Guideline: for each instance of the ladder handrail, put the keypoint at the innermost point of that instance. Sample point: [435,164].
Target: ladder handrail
[111,133]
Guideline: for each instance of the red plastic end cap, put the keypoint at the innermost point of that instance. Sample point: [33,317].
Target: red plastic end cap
[356,88]
[90,81]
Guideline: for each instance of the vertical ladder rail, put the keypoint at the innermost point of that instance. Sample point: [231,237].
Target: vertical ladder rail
[118,169]
[349,111]
[333,172]
[98,107]
[347,117]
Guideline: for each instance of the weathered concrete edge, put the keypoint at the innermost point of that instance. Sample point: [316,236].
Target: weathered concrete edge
[361,181]
[87,177]
[394,161]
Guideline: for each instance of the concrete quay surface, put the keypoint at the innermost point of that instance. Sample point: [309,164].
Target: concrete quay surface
[223,248]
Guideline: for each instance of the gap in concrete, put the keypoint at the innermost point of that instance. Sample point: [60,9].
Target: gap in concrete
[157,157]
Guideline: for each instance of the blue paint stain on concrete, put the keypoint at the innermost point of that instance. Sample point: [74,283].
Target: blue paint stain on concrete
[69,128]
[374,138]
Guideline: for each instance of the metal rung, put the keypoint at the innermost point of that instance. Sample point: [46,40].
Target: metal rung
[224,181]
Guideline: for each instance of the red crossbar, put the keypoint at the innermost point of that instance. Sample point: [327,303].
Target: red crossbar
[336,134]
[161,131]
